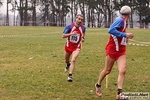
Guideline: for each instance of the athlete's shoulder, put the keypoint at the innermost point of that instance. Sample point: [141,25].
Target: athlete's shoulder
[67,28]
[83,27]
[119,19]
[117,22]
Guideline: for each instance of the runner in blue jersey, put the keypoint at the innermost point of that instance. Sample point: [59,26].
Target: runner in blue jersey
[116,51]
[74,34]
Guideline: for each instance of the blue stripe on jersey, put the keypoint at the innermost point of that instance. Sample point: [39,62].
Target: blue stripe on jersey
[68,29]
[115,26]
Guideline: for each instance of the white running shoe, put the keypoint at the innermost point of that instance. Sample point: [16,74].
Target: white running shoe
[69,79]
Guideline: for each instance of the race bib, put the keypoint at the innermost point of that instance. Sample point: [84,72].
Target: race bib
[74,38]
[124,41]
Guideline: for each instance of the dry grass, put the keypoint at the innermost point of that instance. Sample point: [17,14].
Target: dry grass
[32,65]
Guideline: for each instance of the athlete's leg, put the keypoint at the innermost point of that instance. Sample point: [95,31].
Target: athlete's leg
[109,62]
[121,62]
[73,60]
[67,60]
[67,57]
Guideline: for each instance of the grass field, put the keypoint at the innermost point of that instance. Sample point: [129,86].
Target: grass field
[32,65]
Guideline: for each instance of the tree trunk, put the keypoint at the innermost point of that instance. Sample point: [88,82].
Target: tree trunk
[72,11]
[82,9]
[21,13]
[131,22]
[34,13]
[26,14]
[53,13]
[7,15]
[89,17]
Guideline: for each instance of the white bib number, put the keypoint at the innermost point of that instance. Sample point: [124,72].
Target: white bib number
[124,41]
[74,38]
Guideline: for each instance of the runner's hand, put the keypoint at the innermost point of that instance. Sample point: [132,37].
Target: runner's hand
[73,33]
[130,35]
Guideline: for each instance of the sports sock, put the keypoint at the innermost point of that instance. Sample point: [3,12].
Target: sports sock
[68,64]
[97,85]
[70,75]
[119,91]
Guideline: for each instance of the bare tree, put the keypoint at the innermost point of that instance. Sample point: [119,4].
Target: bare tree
[74,8]
[14,5]
[20,9]
[26,13]
[82,5]
[7,13]
[34,13]
[1,3]
[53,21]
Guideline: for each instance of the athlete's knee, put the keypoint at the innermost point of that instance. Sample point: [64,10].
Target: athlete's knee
[107,71]
[73,60]
[122,71]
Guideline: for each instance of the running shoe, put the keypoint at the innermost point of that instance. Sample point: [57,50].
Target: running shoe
[98,91]
[121,96]
[69,79]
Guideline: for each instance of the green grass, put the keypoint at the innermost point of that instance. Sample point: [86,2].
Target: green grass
[32,65]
